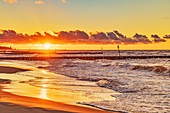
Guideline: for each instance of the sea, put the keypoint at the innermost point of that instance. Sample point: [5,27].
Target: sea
[126,85]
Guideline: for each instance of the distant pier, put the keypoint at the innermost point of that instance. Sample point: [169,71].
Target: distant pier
[82,57]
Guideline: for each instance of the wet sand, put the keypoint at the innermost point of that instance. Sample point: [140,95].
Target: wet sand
[8,107]
[5,69]
[11,102]
[17,104]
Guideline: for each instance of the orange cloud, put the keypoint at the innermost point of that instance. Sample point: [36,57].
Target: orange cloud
[63,1]
[36,1]
[10,1]
[40,2]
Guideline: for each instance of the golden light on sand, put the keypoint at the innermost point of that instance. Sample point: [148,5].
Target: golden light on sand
[44,90]
[47,46]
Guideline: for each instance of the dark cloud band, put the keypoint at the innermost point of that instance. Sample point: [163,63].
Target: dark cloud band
[77,37]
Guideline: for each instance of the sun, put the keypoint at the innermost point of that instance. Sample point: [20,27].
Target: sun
[47,46]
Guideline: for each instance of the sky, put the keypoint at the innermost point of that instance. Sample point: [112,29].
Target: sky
[129,17]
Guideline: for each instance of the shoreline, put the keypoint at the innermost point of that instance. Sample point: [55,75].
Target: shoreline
[12,101]
[123,76]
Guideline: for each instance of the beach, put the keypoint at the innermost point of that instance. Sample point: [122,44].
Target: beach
[10,103]
[75,85]
[85,56]
[17,103]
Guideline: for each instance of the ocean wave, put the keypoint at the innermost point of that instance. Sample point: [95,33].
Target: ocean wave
[136,81]
[156,69]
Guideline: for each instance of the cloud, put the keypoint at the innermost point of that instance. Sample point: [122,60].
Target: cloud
[10,36]
[72,36]
[119,35]
[112,35]
[167,37]
[166,18]
[156,38]
[39,2]
[63,1]
[99,36]
[141,38]
[76,37]
[10,1]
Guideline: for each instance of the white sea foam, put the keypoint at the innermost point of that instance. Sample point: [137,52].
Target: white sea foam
[143,84]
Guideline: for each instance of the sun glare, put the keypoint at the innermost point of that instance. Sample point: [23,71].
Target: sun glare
[47,46]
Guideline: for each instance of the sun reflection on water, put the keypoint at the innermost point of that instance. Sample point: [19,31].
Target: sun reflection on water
[44,89]
[44,71]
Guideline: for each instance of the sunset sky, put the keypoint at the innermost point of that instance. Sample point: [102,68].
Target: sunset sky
[145,17]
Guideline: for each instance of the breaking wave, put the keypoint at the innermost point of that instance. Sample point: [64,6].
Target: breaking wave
[156,69]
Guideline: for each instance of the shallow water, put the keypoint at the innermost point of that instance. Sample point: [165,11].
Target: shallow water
[41,83]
